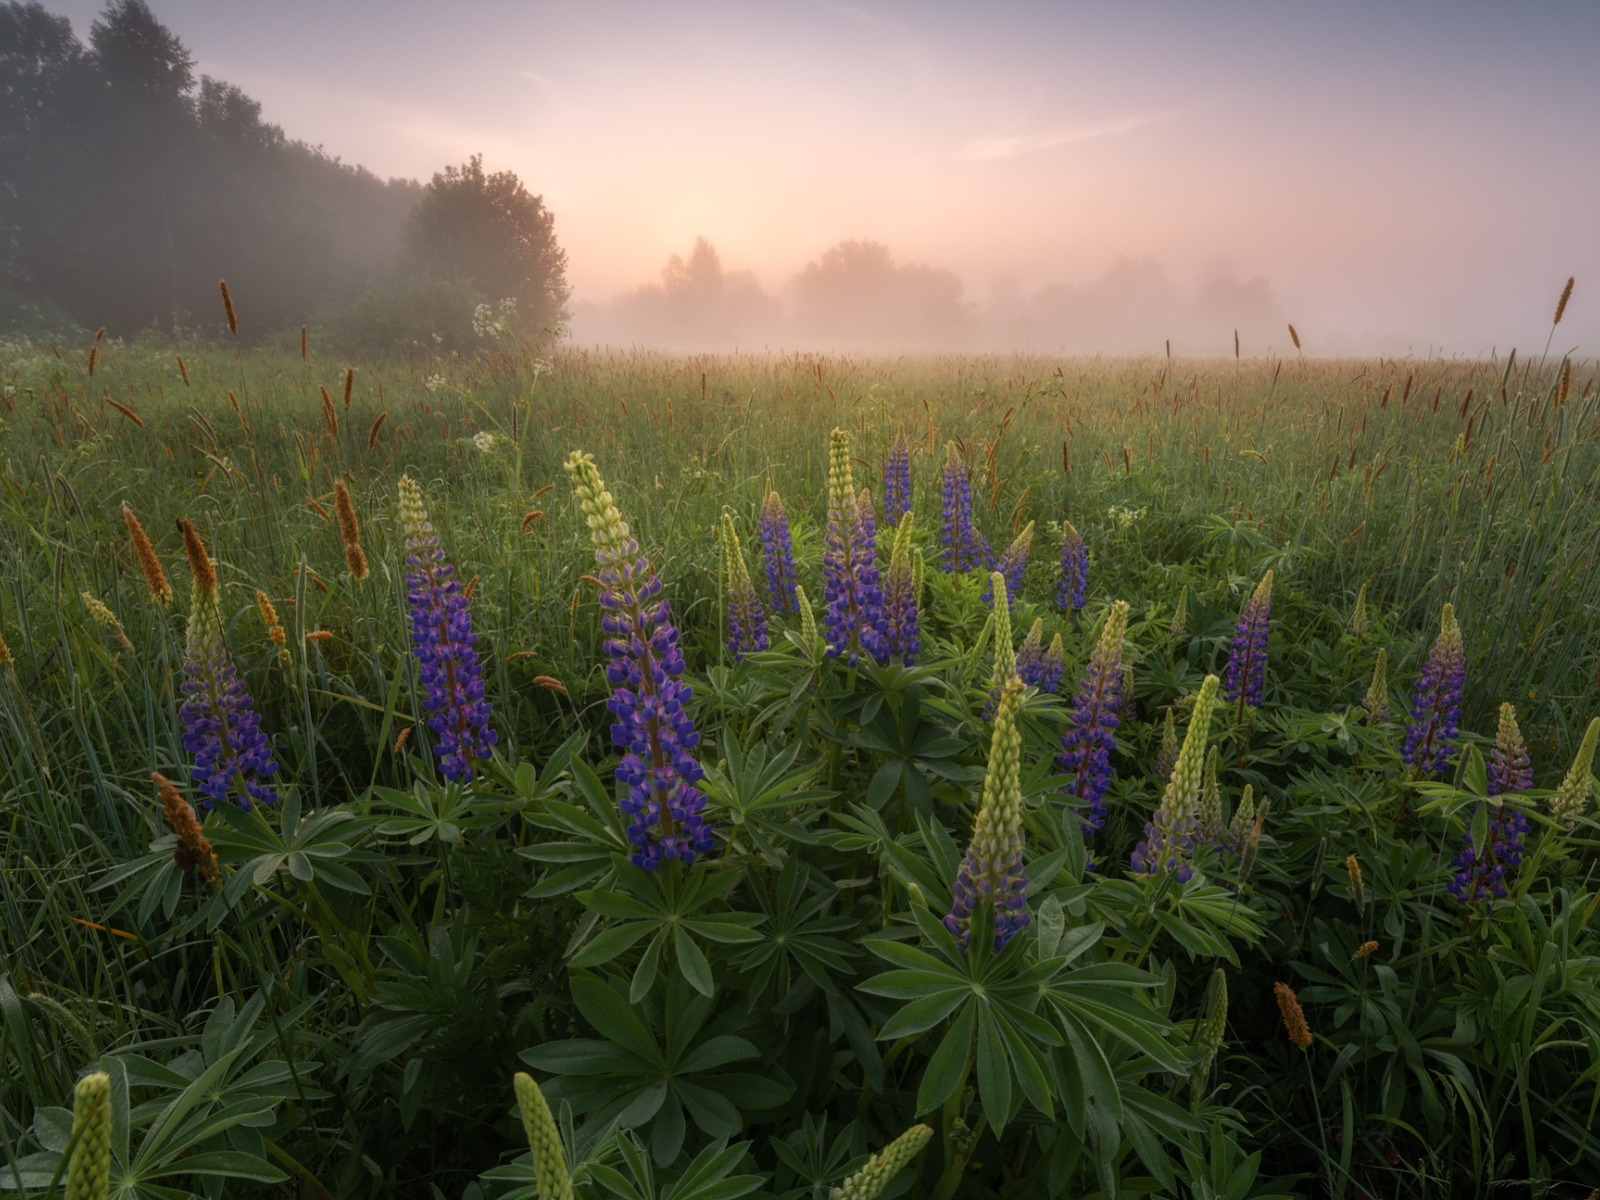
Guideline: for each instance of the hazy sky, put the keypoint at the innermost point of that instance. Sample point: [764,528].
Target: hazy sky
[1407,172]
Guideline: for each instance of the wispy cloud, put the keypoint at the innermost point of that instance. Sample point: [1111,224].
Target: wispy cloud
[980,149]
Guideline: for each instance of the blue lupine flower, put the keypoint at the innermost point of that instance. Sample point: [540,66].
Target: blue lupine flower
[777,557]
[897,481]
[1074,569]
[747,622]
[901,626]
[1013,563]
[991,870]
[1169,838]
[1481,870]
[650,702]
[221,727]
[1030,655]
[441,635]
[854,621]
[1091,733]
[1436,707]
[964,546]
[1246,675]
[1052,666]
[1509,767]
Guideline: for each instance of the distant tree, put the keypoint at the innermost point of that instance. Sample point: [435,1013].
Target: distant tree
[227,113]
[490,231]
[140,58]
[856,292]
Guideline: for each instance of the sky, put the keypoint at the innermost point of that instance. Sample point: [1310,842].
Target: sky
[1407,175]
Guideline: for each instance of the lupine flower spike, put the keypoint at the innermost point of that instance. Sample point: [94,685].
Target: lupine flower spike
[1210,812]
[89,1168]
[1180,617]
[1376,703]
[149,565]
[1359,624]
[1436,708]
[1030,655]
[544,1140]
[652,726]
[1013,563]
[854,620]
[1091,733]
[991,871]
[897,481]
[870,1182]
[193,851]
[964,546]
[441,635]
[221,728]
[1052,666]
[902,628]
[777,556]
[1572,797]
[1243,818]
[1074,569]
[1247,663]
[1170,837]
[1167,755]
[1005,654]
[1481,870]
[747,622]
[808,622]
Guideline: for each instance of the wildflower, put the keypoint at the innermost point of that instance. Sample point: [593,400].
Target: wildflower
[747,622]
[102,615]
[869,1182]
[1436,708]
[1013,563]
[1170,836]
[1030,655]
[1481,869]
[652,728]
[1509,769]
[897,481]
[1180,616]
[808,622]
[1243,820]
[194,848]
[1052,665]
[544,1141]
[1376,702]
[1210,811]
[1294,1017]
[349,531]
[1572,797]
[854,620]
[777,555]
[155,578]
[89,1168]
[220,725]
[1074,569]
[902,629]
[1167,754]
[1358,619]
[1247,664]
[964,546]
[1091,733]
[441,635]
[485,442]
[991,870]
[1005,655]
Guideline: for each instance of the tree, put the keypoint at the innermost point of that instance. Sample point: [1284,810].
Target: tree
[490,231]
[140,58]
[857,293]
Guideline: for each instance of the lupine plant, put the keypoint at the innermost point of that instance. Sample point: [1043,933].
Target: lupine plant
[964,545]
[777,556]
[747,622]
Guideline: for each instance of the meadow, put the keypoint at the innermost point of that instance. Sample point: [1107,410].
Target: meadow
[1321,927]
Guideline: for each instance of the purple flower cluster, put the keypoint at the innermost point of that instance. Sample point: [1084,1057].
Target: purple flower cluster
[964,546]
[1481,870]
[221,727]
[1246,675]
[897,481]
[777,556]
[1436,706]
[747,620]
[649,702]
[441,635]
[992,869]
[902,629]
[1509,767]
[1013,564]
[855,620]
[1074,569]
[1091,733]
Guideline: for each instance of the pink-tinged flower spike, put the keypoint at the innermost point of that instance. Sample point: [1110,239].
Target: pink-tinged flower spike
[1509,767]
[853,622]
[1013,563]
[903,633]
[991,871]
[747,622]
[1436,708]
[441,635]
[1091,733]
[1074,569]
[964,546]
[1169,839]
[777,557]
[652,727]
[897,481]
[1481,870]
[1247,664]
[221,727]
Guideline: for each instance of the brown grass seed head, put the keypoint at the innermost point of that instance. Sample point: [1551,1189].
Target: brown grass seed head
[227,307]
[200,565]
[149,564]
[349,530]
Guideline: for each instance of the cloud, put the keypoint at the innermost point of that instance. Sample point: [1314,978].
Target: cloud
[981,149]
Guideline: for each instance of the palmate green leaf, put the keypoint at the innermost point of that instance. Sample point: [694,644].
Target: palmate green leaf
[994,1071]
[948,1066]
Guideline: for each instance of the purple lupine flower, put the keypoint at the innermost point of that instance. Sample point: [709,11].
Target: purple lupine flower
[221,727]
[964,546]
[1509,767]
[1052,666]
[1030,655]
[777,557]
[1481,870]
[897,481]
[991,871]
[1169,837]
[902,631]
[441,635]
[854,620]
[650,701]
[1091,733]
[1247,662]
[1436,706]
[1013,564]
[747,621]
[1074,569]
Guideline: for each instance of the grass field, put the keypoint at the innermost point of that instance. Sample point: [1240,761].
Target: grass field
[1424,483]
